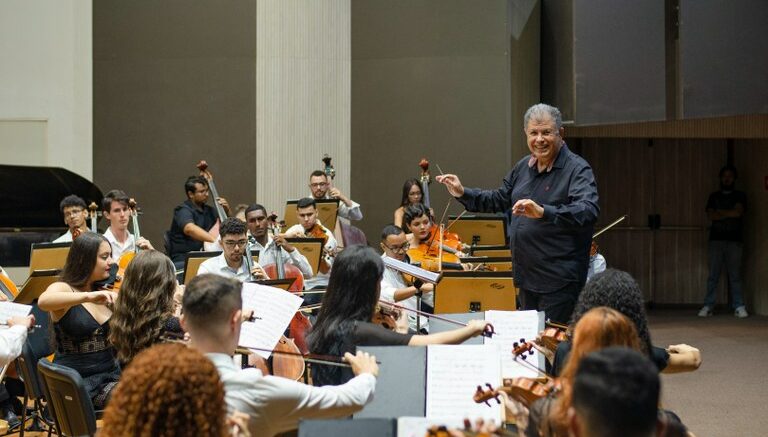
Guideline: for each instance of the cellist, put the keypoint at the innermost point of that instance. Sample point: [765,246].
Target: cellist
[231,263]
[115,209]
[258,236]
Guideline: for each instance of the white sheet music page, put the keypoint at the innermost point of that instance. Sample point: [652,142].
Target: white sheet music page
[453,374]
[511,327]
[418,426]
[273,310]
[11,309]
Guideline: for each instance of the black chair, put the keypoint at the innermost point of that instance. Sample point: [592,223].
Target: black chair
[68,400]
[36,347]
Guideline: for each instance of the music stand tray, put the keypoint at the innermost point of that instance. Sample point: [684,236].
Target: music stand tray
[501,263]
[36,284]
[480,229]
[327,210]
[48,256]
[486,250]
[311,248]
[461,292]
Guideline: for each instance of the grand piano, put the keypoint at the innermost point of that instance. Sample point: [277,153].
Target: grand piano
[30,212]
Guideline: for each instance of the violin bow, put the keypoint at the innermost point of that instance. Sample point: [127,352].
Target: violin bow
[488,332]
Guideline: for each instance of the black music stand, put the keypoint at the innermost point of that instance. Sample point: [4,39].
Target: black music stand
[401,384]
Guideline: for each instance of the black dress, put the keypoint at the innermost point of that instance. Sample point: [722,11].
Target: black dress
[82,344]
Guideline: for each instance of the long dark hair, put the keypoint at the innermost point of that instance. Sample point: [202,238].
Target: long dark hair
[145,303]
[81,259]
[351,296]
[618,290]
[409,183]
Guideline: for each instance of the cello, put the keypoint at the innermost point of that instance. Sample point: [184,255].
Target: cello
[281,269]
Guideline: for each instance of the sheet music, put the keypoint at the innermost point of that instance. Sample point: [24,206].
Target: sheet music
[418,426]
[273,310]
[11,309]
[512,326]
[453,374]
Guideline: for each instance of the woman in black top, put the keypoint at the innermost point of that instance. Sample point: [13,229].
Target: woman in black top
[344,321]
[618,290]
[81,316]
[144,312]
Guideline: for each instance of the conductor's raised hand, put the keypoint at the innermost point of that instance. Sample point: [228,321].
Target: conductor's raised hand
[363,362]
[528,208]
[452,183]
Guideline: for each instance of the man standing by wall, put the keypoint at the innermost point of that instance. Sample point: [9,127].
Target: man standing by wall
[725,209]
[553,196]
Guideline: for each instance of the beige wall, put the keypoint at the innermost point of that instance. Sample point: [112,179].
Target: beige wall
[45,84]
[302,96]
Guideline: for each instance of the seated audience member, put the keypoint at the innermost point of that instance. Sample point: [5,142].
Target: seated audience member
[344,321]
[168,390]
[618,290]
[145,309]
[212,315]
[75,213]
[81,316]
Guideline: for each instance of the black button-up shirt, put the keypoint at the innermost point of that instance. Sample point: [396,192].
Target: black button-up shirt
[183,214]
[550,253]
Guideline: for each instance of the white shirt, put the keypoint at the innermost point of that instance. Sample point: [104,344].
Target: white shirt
[218,266]
[64,238]
[348,212]
[267,256]
[277,404]
[320,279]
[597,264]
[391,281]
[118,249]
[11,341]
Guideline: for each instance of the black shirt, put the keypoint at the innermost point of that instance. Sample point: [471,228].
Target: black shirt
[727,229]
[550,253]
[184,214]
[362,334]
[658,356]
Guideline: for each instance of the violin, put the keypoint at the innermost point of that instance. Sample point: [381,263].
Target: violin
[524,390]
[433,254]
[317,231]
[553,335]
[386,316]
[424,178]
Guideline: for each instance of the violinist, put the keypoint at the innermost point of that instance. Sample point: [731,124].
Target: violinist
[75,213]
[310,227]
[115,209]
[618,290]
[259,239]
[231,262]
[348,307]
[395,288]
[192,221]
[412,195]
[418,220]
[321,189]
[211,314]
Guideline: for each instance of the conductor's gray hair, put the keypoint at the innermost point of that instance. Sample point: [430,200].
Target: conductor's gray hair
[540,111]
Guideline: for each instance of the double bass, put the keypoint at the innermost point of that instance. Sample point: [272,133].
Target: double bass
[204,172]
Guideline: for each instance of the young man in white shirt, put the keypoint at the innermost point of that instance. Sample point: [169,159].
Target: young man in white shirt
[231,262]
[310,226]
[258,237]
[321,189]
[117,212]
[75,213]
[212,314]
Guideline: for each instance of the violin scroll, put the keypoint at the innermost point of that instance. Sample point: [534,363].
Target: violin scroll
[520,349]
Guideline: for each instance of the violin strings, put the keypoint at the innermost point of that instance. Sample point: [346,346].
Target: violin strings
[532,366]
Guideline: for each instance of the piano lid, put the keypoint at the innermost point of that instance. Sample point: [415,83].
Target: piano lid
[30,196]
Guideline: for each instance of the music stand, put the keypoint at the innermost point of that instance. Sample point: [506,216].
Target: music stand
[311,248]
[327,210]
[48,256]
[283,284]
[194,259]
[501,263]
[461,292]
[487,229]
[36,284]
[485,250]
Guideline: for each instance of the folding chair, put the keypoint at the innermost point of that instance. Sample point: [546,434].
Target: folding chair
[68,400]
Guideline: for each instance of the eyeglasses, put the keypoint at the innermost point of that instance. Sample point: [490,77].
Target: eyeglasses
[73,213]
[232,244]
[318,184]
[398,249]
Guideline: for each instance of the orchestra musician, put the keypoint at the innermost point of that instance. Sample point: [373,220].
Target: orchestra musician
[260,239]
[412,195]
[75,213]
[115,209]
[348,307]
[211,314]
[193,221]
[81,316]
[418,220]
[321,189]
[310,227]
[11,343]
[554,203]
[231,262]
[395,288]
[146,309]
